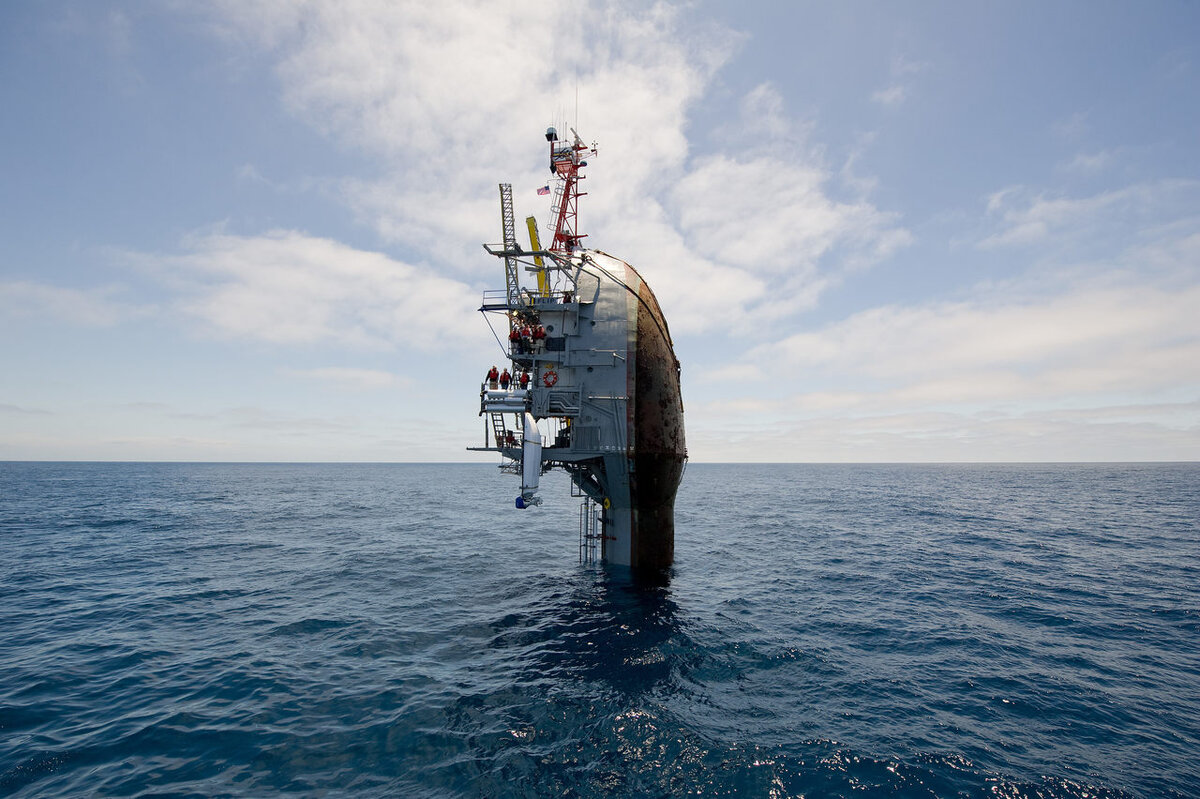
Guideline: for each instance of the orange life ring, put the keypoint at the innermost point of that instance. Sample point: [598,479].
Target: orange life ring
[550,378]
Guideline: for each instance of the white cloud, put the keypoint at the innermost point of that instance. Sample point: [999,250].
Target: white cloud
[249,173]
[732,373]
[952,436]
[783,223]
[448,96]
[7,408]
[762,115]
[897,92]
[770,227]
[1092,341]
[351,378]
[97,307]
[1072,127]
[287,287]
[452,99]
[892,96]
[1089,163]
[1026,219]
[264,419]
[1074,359]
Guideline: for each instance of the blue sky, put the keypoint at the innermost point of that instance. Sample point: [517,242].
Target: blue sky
[879,231]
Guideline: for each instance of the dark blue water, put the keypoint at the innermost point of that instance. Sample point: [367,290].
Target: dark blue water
[326,630]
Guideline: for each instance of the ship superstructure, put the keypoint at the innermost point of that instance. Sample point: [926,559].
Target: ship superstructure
[592,380]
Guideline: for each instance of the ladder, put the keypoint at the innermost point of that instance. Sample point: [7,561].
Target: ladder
[555,205]
[512,284]
[498,429]
[589,531]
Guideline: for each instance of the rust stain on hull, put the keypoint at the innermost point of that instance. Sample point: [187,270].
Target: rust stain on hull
[657,434]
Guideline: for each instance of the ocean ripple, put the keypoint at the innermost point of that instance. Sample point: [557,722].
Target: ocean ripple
[325,630]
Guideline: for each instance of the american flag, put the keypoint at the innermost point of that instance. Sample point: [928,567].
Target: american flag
[544,190]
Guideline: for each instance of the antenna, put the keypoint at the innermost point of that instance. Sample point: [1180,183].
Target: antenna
[565,161]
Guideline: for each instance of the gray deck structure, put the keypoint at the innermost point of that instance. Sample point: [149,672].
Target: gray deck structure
[606,388]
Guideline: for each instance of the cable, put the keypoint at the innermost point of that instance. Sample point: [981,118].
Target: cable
[665,333]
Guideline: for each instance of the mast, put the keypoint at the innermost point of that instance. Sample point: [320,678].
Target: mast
[512,282]
[565,162]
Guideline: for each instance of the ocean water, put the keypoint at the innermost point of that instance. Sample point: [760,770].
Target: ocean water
[402,630]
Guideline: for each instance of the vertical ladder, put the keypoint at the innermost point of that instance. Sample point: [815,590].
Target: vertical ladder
[511,281]
[555,205]
[498,428]
[589,532]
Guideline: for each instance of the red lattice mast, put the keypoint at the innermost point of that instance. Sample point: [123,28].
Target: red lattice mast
[565,161]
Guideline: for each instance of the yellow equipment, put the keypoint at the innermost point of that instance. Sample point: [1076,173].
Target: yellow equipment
[542,278]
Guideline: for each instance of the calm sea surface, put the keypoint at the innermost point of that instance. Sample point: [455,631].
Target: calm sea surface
[402,630]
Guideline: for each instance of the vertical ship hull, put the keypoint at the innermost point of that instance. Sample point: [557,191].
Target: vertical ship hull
[656,430]
[637,483]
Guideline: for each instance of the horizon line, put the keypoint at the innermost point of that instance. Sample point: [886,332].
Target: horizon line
[689,462]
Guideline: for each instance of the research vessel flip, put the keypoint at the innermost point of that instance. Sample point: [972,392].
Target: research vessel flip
[590,383]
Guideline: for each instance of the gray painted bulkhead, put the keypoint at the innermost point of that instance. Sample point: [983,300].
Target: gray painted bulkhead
[592,345]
